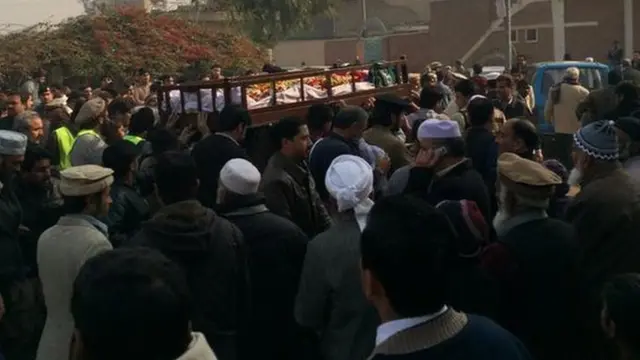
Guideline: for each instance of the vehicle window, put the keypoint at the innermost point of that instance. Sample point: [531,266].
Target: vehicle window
[590,78]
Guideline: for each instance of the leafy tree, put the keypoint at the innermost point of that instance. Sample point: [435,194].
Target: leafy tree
[268,21]
[118,42]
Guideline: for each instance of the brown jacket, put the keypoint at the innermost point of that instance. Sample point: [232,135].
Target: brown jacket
[563,114]
[290,192]
[606,218]
[391,144]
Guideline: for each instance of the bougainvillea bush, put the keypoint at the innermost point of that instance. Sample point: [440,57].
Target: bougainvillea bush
[120,42]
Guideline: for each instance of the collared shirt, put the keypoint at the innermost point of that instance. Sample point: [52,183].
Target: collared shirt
[99,225]
[390,328]
[228,137]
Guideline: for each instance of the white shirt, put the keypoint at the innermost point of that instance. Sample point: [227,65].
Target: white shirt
[388,329]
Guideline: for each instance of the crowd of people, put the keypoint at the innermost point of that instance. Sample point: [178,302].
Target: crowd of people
[429,227]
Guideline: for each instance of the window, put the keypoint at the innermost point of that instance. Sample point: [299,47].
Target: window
[514,36]
[591,78]
[531,35]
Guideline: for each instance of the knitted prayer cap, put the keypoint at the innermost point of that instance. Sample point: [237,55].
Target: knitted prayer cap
[470,225]
[598,139]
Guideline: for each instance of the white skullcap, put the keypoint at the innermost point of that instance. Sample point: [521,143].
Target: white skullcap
[240,177]
[438,129]
[349,181]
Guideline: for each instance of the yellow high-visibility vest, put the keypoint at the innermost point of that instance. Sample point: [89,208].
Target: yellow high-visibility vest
[133,138]
[65,144]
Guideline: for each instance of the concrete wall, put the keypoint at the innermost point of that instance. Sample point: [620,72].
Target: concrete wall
[294,52]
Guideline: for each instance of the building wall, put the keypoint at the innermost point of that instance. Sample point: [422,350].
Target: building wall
[295,52]
[582,38]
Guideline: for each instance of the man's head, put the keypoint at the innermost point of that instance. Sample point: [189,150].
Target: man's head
[627,92]
[319,119]
[291,138]
[36,167]
[429,79]
[216,72]
[477,69]
[13,146]
[596,148]
[238,178]
[142,121]
[521,60]
[176,177]
[628,130]
[91,114]
[87,92]
[350,122]
[636,55]
[120,110]
[505,85]
[572,74]
[525,185]
[620,314]
[518,136]
[46,95]
[516,74]
[85,189]
[349,182]
[57,90]
[431,98]
[464,90]
[30,124]
[121,157]
[234,120]
[404,238]
[614,78]
[144,77]
[480,112]
[388,110]
[443,137]
[130,304]
[17,103]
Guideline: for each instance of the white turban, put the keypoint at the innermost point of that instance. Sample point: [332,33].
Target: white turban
[349,181]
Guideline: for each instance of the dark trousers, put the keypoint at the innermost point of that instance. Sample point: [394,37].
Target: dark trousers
[22,324]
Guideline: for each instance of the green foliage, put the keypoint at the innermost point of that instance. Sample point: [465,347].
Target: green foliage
[119,42]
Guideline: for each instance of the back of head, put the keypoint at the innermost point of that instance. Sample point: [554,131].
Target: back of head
[628,91]
[466,88]
[348,116]
[231,117]
[318,115]
[525,130]
[131,304]
[90,112]
[614,77]
[430,97]
[163,140]
[405,237]
[142,121]
[120,106]
[480,111]
[572,73]
[477,69]
[119,156]
[176,177]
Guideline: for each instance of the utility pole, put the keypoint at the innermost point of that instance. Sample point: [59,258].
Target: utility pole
[559,38]
[363,4]
[509,43]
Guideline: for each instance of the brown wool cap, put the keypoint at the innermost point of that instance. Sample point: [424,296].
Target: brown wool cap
[526,177]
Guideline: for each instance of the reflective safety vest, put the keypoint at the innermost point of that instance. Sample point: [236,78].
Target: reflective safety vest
[65,144]
[133,138]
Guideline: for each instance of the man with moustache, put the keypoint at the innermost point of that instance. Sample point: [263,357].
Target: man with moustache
[533,260]
[606,217]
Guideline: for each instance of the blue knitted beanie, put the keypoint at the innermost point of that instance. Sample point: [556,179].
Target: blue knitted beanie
[599,140]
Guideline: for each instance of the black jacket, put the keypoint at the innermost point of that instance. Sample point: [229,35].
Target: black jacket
[127,212]
[324,152]
[210,155]
[12,264]
[462,182]
[276,248]
[482,149]
[210,249]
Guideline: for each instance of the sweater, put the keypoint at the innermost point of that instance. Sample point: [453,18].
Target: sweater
[476,338]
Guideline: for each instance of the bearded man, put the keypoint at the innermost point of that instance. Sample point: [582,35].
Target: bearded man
[606,217]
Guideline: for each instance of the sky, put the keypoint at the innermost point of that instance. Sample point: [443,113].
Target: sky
[18,13]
